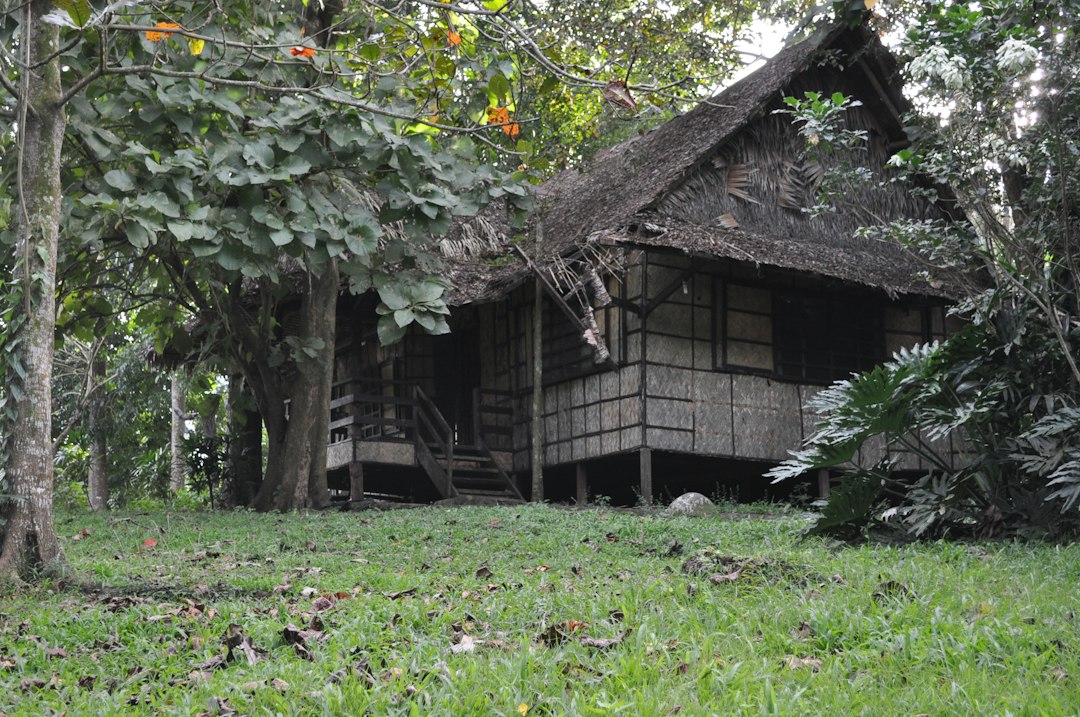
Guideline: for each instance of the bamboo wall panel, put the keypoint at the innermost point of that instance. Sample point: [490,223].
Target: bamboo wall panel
[666,439]
[670,382]
[767,420]
[591,416]
[712,414]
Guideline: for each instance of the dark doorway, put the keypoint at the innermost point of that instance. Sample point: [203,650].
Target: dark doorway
[457,374]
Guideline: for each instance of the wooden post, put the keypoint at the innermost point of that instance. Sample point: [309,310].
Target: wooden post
[356,481]
[645,457]
[823,483]
[538,394]
[582,485]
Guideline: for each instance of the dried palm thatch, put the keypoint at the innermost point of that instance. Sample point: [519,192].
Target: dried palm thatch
[474,239]
[731,171]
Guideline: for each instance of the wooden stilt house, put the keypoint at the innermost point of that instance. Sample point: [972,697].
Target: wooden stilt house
[688,307]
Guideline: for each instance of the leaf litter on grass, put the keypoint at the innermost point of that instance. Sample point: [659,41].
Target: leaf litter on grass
[386,651]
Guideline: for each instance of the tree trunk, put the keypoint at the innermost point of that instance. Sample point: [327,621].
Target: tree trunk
[296,455]
[245,444]
[97,478]
[178,463]
[30,541]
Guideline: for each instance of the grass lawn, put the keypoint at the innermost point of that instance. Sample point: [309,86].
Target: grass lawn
[534,610]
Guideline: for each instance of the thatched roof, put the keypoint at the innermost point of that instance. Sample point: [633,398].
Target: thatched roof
[633,182]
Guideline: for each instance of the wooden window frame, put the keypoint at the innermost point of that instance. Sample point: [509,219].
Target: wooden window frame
[833,369]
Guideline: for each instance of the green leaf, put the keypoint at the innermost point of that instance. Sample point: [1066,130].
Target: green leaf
[180,230]
[290,142]
[295,164]
[550,84]
[404,317]
[119,179]
[78,10]
[281,237]
[428,291]
[392,298]
[500,87]
[259,153]
[228,260]
[388,330]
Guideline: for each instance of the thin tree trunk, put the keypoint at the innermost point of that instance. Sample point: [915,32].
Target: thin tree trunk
[30,540]
[245,445]
[326,328]
[296,456]
[178,466]
[97,479]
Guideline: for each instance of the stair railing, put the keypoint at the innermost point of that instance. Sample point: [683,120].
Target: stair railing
[489,403]
[432,429]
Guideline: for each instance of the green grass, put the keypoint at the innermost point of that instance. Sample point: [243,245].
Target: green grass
[938,629]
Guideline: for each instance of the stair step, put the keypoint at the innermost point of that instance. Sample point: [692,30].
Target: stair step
[461,456]
[480,470]
[488,493]
[490,479]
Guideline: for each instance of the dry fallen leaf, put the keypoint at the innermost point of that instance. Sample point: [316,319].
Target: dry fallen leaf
[892,589]
[731,577]
[217,662]
[484,572]
[235,639]
[149,543]
[467,643]
[795,663]
[602,643]
[559,632]
[803,633]
[401,594]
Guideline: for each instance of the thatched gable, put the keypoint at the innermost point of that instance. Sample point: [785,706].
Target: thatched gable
[720,182]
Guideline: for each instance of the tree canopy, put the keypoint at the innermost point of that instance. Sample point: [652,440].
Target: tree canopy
[205,167]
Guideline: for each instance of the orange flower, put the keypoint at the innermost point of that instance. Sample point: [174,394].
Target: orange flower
[154,36]
[452,38]
[302,52]
[498,115]
[501,116]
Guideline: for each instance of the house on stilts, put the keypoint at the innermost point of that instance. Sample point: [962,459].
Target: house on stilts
[663,320]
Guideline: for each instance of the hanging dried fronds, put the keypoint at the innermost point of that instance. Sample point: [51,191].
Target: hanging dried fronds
[477,237]
[790,190]
[738,181]
[727,221]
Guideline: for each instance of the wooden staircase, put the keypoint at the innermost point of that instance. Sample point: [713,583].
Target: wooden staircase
[473,472]
[457,470]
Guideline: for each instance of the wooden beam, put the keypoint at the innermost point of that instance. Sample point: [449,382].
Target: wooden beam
[823,483]
[356,481]
[626,304]
[645,458]
[582,485]
[537,394]
[667,291]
